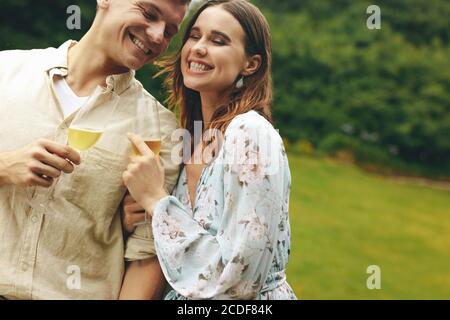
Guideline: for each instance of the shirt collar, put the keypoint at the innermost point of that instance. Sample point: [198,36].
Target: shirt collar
[57,65]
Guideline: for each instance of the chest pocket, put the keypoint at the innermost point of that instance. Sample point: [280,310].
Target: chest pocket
[96,184]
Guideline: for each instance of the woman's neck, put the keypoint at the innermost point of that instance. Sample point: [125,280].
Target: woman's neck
[210,103]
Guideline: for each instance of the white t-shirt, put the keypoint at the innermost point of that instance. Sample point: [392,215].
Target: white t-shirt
[70,102]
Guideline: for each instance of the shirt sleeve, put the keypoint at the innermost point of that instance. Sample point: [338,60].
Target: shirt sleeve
[234,262]
[140,244]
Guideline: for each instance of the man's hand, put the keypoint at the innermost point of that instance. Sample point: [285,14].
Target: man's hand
[37,164]
[132,213]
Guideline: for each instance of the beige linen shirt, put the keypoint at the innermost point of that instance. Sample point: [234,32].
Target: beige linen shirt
[76,249]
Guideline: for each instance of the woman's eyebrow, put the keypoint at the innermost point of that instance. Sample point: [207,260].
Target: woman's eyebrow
[216,32]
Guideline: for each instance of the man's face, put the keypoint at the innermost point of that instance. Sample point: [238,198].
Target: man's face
[138,31]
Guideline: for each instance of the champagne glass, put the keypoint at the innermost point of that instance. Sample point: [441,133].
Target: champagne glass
[91,121]
[147,125]
[84,131]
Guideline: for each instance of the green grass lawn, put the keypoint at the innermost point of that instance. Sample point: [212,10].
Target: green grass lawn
[344,219]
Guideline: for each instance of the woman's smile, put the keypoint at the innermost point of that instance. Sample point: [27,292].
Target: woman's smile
[199,67]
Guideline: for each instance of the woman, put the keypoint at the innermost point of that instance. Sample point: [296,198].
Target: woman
[224,233]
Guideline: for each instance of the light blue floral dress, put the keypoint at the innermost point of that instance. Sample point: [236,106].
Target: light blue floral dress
[235,242]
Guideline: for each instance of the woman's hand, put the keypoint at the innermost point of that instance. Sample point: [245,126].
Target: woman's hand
[132,214]
[144,176]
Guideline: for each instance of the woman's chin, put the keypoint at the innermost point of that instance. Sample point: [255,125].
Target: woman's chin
[196,86]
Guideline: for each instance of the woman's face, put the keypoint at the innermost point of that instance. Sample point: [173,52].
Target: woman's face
[214,55]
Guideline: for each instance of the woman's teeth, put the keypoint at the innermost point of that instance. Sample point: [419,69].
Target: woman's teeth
[199,67]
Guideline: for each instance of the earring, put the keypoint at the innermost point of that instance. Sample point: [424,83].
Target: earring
[240,83]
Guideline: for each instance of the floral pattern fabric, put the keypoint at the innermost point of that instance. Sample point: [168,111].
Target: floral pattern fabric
[235,242]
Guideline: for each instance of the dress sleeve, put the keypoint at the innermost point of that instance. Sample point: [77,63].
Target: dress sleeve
[234,262]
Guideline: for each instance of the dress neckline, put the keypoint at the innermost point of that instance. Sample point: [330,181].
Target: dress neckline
[197,188]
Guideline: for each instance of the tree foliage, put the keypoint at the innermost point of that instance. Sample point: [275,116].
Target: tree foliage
[383,95]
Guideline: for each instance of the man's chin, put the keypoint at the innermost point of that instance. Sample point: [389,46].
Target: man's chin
[136,65]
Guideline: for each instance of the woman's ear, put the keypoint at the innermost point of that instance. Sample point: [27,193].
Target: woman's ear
[103,4]
[252,65]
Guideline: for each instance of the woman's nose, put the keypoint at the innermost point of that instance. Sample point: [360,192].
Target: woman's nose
[200,49]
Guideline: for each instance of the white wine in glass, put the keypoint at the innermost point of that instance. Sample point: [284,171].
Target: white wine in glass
[82,139]
[153,144]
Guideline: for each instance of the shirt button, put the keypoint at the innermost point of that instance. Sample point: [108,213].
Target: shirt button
[25,266]
[34,218]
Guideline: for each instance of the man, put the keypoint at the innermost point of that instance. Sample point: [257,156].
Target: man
[74,248]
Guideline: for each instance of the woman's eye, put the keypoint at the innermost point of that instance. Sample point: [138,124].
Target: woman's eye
[219,42]
[194,36]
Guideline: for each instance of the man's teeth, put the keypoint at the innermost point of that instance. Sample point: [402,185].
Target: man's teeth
[139,44]
[199,67]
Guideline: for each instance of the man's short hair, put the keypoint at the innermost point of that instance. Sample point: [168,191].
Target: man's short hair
[183,2]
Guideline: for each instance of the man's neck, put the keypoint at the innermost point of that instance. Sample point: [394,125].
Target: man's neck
[89,66]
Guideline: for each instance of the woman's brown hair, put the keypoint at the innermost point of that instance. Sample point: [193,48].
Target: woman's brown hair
[255,94]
